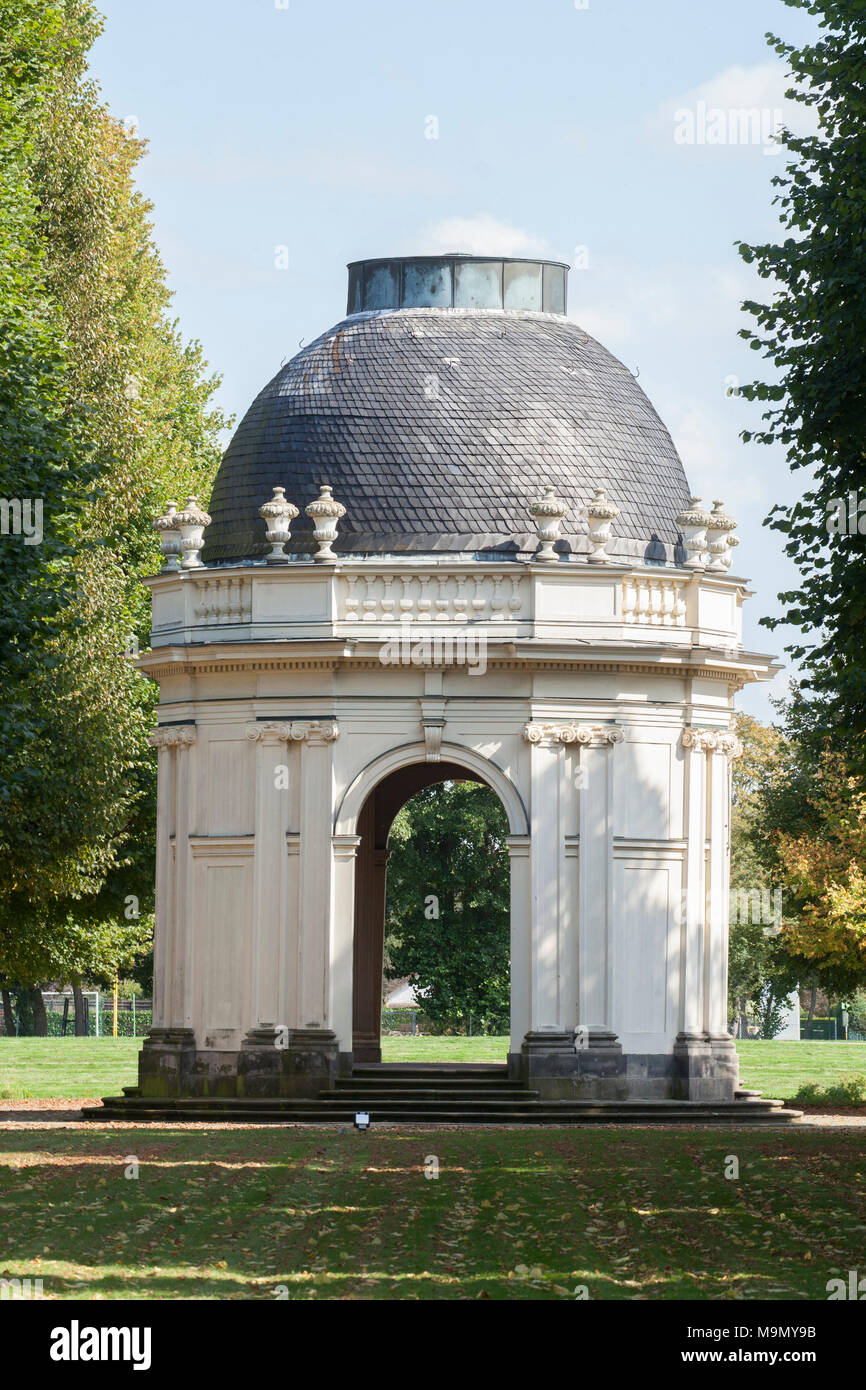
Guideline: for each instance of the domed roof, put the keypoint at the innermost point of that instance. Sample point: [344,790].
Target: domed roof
[436,425]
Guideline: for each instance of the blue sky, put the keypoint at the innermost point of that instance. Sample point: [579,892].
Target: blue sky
[305,126]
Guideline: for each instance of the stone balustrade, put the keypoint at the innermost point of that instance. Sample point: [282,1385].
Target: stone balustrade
[654,601]
[368,600]
[434,596]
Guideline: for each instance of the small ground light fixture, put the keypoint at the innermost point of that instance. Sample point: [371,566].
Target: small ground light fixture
[362,1120]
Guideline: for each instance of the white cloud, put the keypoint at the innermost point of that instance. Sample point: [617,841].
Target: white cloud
[762,85]
[481,235]
[737,90]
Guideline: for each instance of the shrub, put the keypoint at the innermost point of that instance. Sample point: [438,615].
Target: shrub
[848,1090]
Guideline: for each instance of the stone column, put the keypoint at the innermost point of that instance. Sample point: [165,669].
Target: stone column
[548,850]
[298,1058]
[312,1053]
[316,869]
[595,913]
[368,939]
[719,802]
[560,1058]
[167,1058]
[520,879]
[704,1053]
[696,743]
[345,849]
[269,945]
[165,829]
[184,878]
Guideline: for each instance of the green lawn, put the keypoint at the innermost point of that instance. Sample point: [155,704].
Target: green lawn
[417,1049]
[513,1214]
[78,1067]
[67,1067]
[781,1068]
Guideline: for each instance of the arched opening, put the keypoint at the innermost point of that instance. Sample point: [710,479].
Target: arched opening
[374,824]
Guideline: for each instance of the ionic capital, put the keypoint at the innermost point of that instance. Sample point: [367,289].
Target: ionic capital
[589,735]
[731,745]
[712,741]
[179,737]
[700,740]
[312,730]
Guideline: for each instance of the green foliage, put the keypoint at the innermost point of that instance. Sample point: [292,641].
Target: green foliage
[447,919]
[849,1090]
[814,331]
[782,804]
[104,412]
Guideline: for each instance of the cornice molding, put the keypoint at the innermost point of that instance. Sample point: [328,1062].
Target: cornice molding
[216,667]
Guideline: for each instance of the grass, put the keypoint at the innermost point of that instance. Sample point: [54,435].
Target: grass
[786,1069]
[79,1067]
[514,1214]
[66,1067]
[417,1049]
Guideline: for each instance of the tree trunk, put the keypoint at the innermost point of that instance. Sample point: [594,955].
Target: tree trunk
[8,1017]
[80,1016]
[812,1000]
[40,1017]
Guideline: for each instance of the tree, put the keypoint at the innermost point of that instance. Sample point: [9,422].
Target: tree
[761,975]
[119,416]
[798,826]
[448,904]
[814,331]
[827,873]
[46,463]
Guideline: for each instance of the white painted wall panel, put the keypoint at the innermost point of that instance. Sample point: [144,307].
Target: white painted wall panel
[222,942]
[643,791]
[646,949]
[231,787]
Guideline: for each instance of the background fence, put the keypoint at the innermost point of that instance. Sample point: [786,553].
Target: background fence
[133,1015]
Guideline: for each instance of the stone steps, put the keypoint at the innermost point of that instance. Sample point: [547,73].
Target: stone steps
[337,1108]
[443,1094]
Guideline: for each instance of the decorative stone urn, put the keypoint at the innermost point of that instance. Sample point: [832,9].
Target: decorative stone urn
[169,537]
[191,522]
[548,513]
[719,539]
[278,515]
[693,523]
[325,513]
[601,514]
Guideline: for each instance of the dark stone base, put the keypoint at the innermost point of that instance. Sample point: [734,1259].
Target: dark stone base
[588,1065]
[707,1066]
[591,1065]
[301,1062]
[366,1049]
[290,1062]
[166,1062]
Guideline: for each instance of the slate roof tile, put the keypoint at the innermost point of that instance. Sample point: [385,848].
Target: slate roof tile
[543,403]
